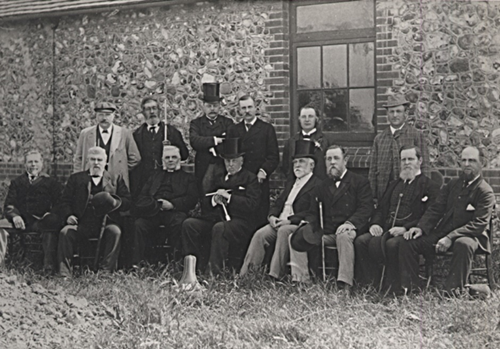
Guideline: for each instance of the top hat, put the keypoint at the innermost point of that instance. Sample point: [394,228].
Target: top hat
[49,221]
[231,148]
[105,203]
[304,149]
[211,92]
[105,107]
[396,100]
[146,206]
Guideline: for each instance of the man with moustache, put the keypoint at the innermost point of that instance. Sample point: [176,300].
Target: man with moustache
[78,213]
[121,150]
[384,164]
[403,204]
[457,221]
[347,207]
[308,121]
[260,146]
[284,217]
[227,215]
[206,133]
[149,138]
[166,199]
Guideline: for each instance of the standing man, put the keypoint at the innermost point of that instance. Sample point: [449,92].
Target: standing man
[78,212]
[206,133]
[403,204]
[121,151]
[260,146]
[308,121]
[456,222]
[228,215]
[31,197]
[347,207]
[149,138]
[384,165]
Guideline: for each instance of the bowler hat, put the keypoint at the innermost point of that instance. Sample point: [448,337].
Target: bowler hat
[146,206]
[105,203]
[49,221]
[231,148]
[303,149]
[211,92]
[105,107]
[396,100]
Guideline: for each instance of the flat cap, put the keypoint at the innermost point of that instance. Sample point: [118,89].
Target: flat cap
[396,100]
[105,106]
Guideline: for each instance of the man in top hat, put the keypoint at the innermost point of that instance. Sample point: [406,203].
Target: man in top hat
[83,217]
[166,199]
[259,143]
[308,122]
[384,165]
[403,204]
[284,217]
[206,133]
[149,138]
[28,204]
[121,151]
[228,215]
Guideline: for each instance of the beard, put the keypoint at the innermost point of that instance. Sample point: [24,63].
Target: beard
[408,173]
[334,173]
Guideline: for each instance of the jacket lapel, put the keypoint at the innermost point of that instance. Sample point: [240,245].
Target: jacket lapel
[115,140]
[344,185]
[92,137]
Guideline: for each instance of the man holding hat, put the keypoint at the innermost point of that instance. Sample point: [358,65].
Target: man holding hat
[166,199]
[121,150]
[228,215]
[206,133]
[28,204]
[84,209]
[385,165]
[284,217]
[149,138]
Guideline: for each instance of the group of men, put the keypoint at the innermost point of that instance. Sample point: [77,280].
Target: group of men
[385,220]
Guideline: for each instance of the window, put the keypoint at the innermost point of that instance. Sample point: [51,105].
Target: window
[333,55]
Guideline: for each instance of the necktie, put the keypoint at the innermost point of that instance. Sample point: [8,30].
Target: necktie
[32,178]
[152,130]
[248,125]
[105,131]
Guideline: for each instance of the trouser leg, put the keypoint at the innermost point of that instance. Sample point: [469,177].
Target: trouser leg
[173,223]
[257,248]
[281,255]
[364,263]
[345,248]
[409,250]
[3,246]
[65,249]
[196,240]
[49,247]
[111,242]
[392,271]
[219,249]
[299,263]
[461,263]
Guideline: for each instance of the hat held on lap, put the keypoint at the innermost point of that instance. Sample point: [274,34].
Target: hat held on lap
[49,221]
[231,148]
[105,203]
[146,207]
[304,149]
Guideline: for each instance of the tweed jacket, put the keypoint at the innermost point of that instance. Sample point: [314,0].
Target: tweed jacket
[322,142]
[201,136]
[385,157]
[460,211]
[124,154]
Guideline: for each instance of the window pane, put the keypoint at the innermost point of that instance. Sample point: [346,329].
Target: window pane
[362,107]
[308,67]
[335,66]
[335,16]
[312,98]
[335,111]
[361,64]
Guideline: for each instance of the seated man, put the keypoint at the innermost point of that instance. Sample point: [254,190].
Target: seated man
[402,205]
[347,206]
[82,222]
[166,199]
[228,215]
[457,221]
[32,196]
[283,219]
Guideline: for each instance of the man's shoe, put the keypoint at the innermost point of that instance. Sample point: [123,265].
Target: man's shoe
[344,289]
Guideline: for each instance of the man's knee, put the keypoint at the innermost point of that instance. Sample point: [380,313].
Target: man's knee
[363,241]
[345,238]
[464,246]
[113,231]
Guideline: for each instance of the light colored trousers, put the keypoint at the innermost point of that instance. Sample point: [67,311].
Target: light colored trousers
[345,249]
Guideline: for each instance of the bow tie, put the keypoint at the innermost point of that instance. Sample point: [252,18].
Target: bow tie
[95,176]
[105,131]
[32,178]
[152,129]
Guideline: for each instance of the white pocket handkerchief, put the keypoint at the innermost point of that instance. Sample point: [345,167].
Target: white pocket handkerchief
[425,198]
[470,208]
[241,188]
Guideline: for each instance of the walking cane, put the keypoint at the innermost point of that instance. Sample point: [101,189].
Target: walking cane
[226,214]
[322,240]
[165,140]
[101,233]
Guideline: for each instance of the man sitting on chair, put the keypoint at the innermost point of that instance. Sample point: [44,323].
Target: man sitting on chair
[82,222]
[283,218]
[402,205]
[456,222]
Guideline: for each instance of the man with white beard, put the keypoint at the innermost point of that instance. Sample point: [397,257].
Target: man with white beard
[402,205]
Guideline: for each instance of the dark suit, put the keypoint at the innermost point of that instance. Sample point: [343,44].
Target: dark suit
[229,239]
[180,189]
[76,202]
[462,214]
[261,152]
[151,150]
[370,254]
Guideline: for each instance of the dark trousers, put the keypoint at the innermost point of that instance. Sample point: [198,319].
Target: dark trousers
[226,241]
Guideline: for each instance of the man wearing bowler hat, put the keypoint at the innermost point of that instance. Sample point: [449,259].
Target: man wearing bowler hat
[385,164]
[206,133]
[121,150]
[150,138]
[228,215]
[166,199]
[284,217]
[84,215]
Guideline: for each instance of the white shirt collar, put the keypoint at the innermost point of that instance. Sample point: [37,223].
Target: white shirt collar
[396,129]
[151,126]
[416,174]
[309,133]
[303,179]
[110,129]
[251,122]
[472,181]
